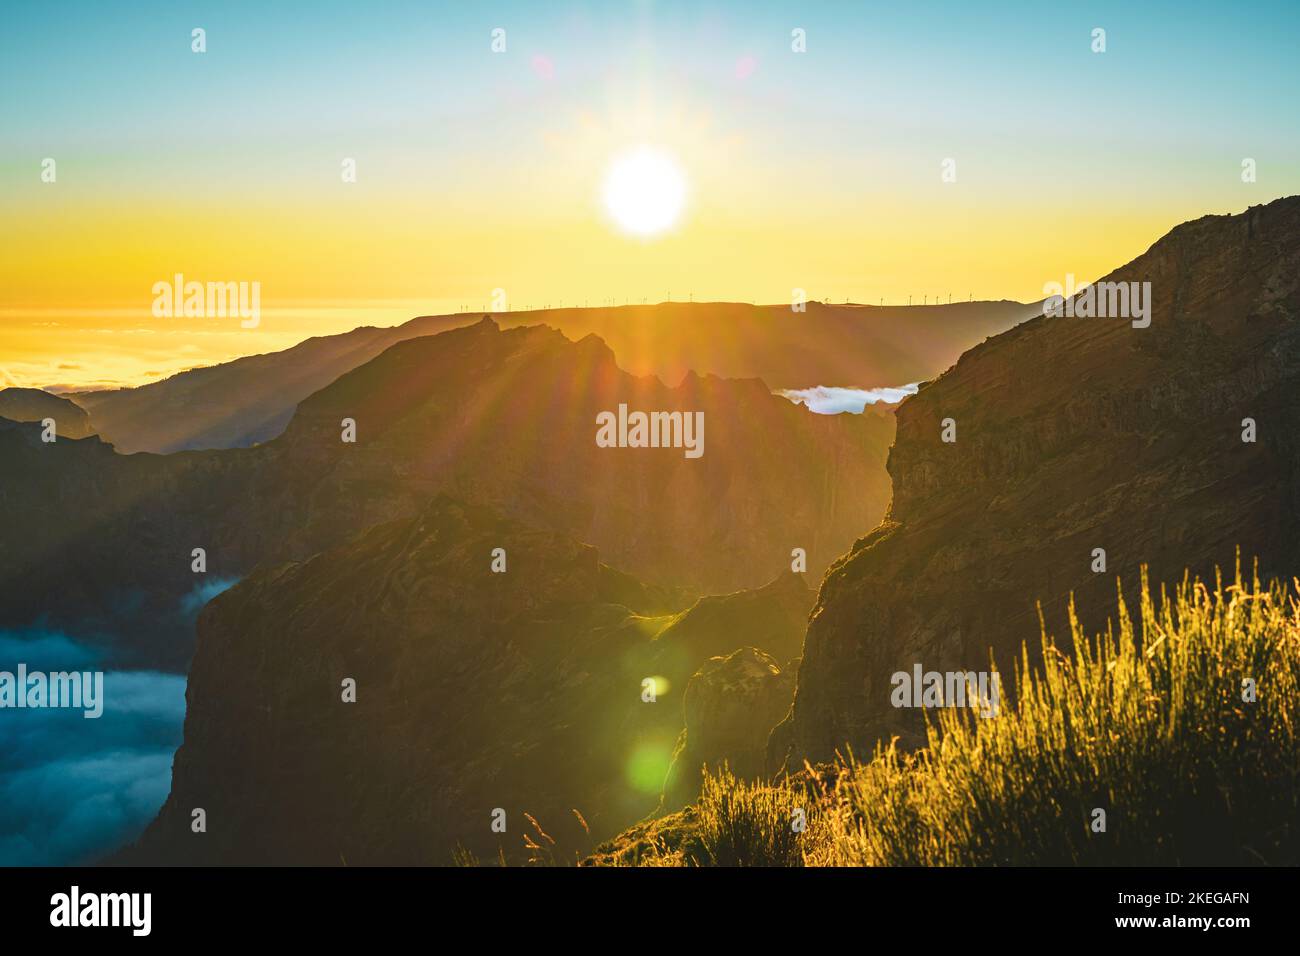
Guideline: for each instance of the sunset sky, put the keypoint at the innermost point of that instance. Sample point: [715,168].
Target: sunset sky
[479,170]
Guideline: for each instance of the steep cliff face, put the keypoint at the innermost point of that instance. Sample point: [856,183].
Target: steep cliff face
[1071,434]
[475,690]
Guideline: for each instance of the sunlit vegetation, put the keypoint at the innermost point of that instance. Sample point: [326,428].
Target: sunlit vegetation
[1178,724]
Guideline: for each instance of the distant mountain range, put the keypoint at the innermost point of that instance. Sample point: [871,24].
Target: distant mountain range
[103,542]
[251,400]
[34,405]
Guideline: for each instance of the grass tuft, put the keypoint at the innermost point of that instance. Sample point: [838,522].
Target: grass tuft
[1150,722]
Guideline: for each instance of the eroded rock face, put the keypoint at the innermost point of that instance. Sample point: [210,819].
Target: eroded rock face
[731,705]
[1072,434]
[475,690]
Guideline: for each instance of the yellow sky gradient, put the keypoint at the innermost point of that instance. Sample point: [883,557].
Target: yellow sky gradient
[78,287]
[815,167]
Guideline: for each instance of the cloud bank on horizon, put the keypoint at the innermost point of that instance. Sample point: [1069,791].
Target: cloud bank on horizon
[832,400]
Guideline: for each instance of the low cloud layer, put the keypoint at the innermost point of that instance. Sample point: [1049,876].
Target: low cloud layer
[832,400]
[201,594]
[71,789]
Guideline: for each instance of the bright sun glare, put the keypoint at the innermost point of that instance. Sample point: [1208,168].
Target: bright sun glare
[645,191]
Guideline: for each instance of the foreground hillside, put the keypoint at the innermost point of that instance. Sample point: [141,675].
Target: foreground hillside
[252,399]
[1169,741]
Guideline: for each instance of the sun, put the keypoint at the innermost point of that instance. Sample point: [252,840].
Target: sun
[645,191]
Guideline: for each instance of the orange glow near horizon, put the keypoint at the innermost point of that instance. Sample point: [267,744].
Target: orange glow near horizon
[74,315]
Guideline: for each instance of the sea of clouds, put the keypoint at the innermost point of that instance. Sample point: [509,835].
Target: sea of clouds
[73,790]
[832,400]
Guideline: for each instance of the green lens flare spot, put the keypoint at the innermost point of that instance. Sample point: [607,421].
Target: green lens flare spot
[647,767]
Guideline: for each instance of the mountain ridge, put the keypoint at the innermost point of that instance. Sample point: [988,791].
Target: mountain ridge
[504,418]
[251,399]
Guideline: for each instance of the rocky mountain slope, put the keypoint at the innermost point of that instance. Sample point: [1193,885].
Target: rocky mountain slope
[1072,434]
[508,418]
[521,690]
[250,400]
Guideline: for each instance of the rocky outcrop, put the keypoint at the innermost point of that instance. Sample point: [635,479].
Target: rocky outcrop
[37,405]
[1071,435]
[772,618]
[475,690]
[730,706]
